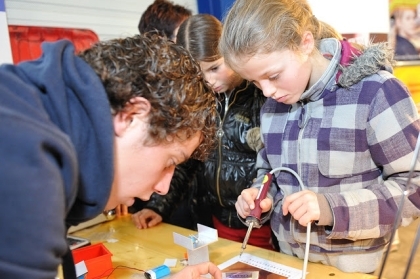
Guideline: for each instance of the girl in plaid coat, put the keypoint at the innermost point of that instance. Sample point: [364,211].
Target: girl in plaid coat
[339,132]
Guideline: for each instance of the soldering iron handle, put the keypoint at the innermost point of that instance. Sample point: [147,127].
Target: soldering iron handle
[256,212]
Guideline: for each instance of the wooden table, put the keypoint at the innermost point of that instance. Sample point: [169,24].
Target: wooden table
[145,249]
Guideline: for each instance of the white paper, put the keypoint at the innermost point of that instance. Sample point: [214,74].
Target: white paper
[170,262]
[81,268]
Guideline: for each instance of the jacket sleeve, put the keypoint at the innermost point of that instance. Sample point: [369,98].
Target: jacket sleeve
[263,167]
[34,170]
[392,132]
[262,164]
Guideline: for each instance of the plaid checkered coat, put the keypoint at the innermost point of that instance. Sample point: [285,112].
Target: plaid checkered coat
[351,138]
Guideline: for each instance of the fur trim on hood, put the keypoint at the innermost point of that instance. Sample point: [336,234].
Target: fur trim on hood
[253,138]
[366,61]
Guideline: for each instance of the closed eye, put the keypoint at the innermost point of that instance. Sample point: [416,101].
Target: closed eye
[172,164]
[275,77]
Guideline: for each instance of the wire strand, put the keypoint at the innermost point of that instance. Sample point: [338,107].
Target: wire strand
[111,270]
[308,227]
[405,194]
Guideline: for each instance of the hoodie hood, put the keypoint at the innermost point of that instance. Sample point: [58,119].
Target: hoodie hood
[363,61]
[350,63]
[76,102]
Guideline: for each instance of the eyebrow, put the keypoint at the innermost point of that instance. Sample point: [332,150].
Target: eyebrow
[264,74]
[212,65]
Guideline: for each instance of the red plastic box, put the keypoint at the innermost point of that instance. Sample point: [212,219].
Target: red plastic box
[97,259]
[26,41]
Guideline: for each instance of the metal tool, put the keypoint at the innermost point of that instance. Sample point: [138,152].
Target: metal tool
[253,219]
[110,214]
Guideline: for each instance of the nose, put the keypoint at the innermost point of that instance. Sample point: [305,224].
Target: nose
[162,187]
[209,77]
[267,88]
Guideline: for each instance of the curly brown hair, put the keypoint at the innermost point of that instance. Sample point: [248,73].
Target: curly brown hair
[167,76]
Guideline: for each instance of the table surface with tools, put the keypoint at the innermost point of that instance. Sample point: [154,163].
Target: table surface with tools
[134,250]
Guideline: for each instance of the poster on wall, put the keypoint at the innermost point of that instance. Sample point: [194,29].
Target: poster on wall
[404,35]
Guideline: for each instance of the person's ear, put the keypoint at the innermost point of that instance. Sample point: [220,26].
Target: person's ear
[307,44]
[136,108]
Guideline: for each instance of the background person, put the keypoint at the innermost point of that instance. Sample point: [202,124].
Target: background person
[79,133]
[405,33]
[335,116]
[165,17]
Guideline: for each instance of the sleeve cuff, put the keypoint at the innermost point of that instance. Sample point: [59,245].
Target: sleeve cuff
[326,216]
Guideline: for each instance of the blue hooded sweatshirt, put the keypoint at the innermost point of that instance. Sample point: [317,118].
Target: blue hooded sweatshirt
[56,157]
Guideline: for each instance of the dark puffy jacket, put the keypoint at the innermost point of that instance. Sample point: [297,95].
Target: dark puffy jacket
[213,187]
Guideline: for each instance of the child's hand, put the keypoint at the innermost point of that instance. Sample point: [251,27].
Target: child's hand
[199,271]
[245,202]
[146,218]
[303,206]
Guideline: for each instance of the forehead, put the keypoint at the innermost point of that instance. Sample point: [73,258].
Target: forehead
[258,65]
[205,65]
[407,13]
[185,146]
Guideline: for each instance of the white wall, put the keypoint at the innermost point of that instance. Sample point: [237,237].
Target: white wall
[355,16]
[118,18]
[5,51]
[107,18]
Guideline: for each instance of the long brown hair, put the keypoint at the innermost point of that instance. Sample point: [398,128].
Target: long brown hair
[264,26]
[200,35]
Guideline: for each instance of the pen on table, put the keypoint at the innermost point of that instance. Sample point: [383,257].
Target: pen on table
[253,220]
